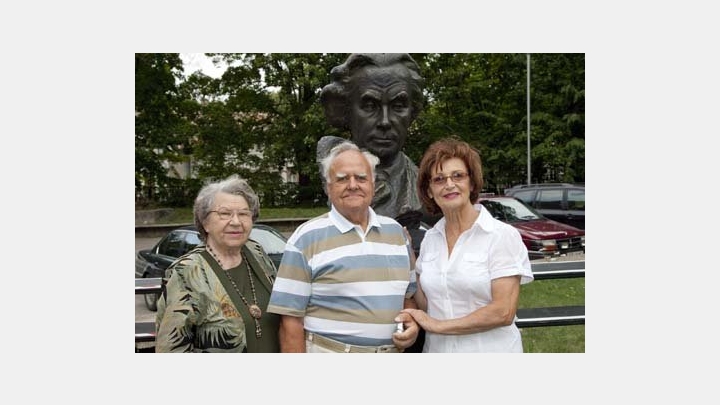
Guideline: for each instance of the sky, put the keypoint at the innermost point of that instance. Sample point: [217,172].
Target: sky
[198,61]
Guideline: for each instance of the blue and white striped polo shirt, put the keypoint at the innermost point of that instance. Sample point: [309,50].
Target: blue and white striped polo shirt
[348,286]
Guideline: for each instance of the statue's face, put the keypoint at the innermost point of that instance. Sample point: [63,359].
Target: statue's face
[380,110]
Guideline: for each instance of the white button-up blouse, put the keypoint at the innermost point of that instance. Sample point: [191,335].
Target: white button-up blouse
[461,283]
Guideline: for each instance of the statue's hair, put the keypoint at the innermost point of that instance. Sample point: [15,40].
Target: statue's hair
[335,96]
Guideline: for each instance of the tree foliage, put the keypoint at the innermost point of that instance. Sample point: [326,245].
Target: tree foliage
[263,114]
[156,120]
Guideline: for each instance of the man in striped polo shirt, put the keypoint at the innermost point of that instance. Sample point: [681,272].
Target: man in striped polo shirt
[346,275]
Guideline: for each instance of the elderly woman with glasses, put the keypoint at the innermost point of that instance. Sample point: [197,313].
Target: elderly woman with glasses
[470,265]
[216,295]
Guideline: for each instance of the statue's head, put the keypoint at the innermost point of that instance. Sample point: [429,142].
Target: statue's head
[376,97]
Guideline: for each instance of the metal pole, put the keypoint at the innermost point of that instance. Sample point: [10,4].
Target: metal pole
[528,118]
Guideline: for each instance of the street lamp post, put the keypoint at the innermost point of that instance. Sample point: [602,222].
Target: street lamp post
[528,119]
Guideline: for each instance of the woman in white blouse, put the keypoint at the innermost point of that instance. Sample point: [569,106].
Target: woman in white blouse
[471,265]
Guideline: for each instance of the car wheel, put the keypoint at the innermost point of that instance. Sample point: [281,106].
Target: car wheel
[151,301]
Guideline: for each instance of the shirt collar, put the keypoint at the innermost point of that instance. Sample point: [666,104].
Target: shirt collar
[484,221]
[343,225]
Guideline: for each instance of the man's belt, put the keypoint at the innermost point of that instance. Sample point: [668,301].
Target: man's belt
[340,347]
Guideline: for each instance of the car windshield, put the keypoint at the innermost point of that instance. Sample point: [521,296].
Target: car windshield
[272,243]
[509,210]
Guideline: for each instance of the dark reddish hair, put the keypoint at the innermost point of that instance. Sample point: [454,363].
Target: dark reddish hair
[439,152]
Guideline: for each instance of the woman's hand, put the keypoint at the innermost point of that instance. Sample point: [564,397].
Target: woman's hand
[422,318]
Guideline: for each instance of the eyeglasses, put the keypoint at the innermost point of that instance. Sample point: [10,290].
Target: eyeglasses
[456,177]
[342,178]
[225,215]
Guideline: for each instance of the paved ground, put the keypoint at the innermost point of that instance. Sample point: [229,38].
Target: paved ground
[580,256]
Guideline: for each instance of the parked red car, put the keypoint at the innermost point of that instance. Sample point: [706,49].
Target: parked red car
[543,237]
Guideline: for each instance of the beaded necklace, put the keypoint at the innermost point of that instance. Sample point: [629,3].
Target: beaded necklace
[254,309]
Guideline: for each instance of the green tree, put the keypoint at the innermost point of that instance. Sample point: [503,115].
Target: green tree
[287,118]
[156,120]
[558,117]
[228,118]
[263,114]
[482,99]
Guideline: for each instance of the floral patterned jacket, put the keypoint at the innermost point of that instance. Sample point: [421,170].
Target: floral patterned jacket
[195,312]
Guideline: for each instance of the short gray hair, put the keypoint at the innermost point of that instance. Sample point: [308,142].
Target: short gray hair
[343,147]
[231,185]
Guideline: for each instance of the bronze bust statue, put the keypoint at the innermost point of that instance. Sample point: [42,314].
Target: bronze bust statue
[376,97]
